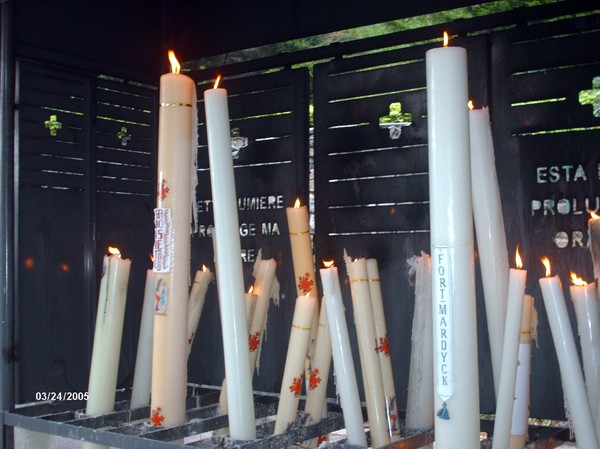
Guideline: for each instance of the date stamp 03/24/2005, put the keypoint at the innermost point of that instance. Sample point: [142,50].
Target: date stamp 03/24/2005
[61,396]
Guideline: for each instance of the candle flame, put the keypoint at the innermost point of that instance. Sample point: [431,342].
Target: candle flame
[297,203]
[328,263]
[576,280]
[175,67]
[151,257]
[445,39]
[518,261]
[470,105]
[217,82]
[114,251]
[204,268]
[546,263]
[251,289]
[593,215]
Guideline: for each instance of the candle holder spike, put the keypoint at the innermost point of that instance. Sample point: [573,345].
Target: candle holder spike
[395,120]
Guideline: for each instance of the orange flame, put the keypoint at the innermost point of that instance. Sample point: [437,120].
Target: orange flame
[594,216]
[204,268]
[114,251]
[251,289]
[546,263]
[151,257]
[175,67]
[470,105]
[446,39]
[328,263]
[217,82]
[297,203]
[576,280]
[518,261]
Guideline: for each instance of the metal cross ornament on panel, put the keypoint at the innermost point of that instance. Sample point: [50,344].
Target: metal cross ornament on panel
[395,120]
[53,125]
[592,96]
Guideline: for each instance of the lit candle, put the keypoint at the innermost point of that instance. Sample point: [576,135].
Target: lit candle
[172,226]
[419,404]
[319,371]
[510,356]
[196,303]
[142,377]
[594,230]
[342,356]
[520,415]
[586,305]
[568,361]
[489,229]
[230,276]
[107,336]
[383,348]
[455,322]
[367,347]
[293,373]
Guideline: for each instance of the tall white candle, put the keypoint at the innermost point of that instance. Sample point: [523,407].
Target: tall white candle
[172,225]
[419,404]
[230,276]
[367,347]
[142,376]
[107,337]
[293,374]
[587,312]
[520,415]
[510,357]
[456,375]
[342,357]
[491,236]
[196,303]
[383,348]
[568,361]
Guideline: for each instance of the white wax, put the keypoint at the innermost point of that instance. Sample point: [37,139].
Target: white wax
[342,358]
[452,239]
[586,305]
[419,404]
[107,337]
[383,349]
[491,236]
[196,304]
[142,377]
[510,358]
[230,276]
[293,374]
[173,217]
[568,362]
[319,371]
[594,231]
[367,348]
[520,415]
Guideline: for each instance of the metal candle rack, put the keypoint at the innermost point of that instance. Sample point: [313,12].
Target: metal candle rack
[129,428]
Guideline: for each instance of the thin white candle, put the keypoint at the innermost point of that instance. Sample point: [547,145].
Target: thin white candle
[383,349]
[342,357]
[107,336]
[568,361]
[491,236]
[587,313]
[456,375]
[230,276]
[367,347]
[172,226]
[594,232]
[520,415]
[142,376]
[196,303]
[510,356]
[293,374]
[419,404]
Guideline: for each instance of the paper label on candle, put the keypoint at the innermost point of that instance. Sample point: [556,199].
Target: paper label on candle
[162,251]
[161,297]
[442,302]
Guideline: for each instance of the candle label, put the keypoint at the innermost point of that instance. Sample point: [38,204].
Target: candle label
[442,292]
[305,283]
[314,379]
[160,297]
[163,228]
[296,386]
[156,417]
[383,347]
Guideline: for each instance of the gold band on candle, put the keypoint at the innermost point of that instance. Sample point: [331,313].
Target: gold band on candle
[165,105]
[323,325]
[525,332]
[198,282]
[359,280]
[373,280]
[300,233]
[301,328]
